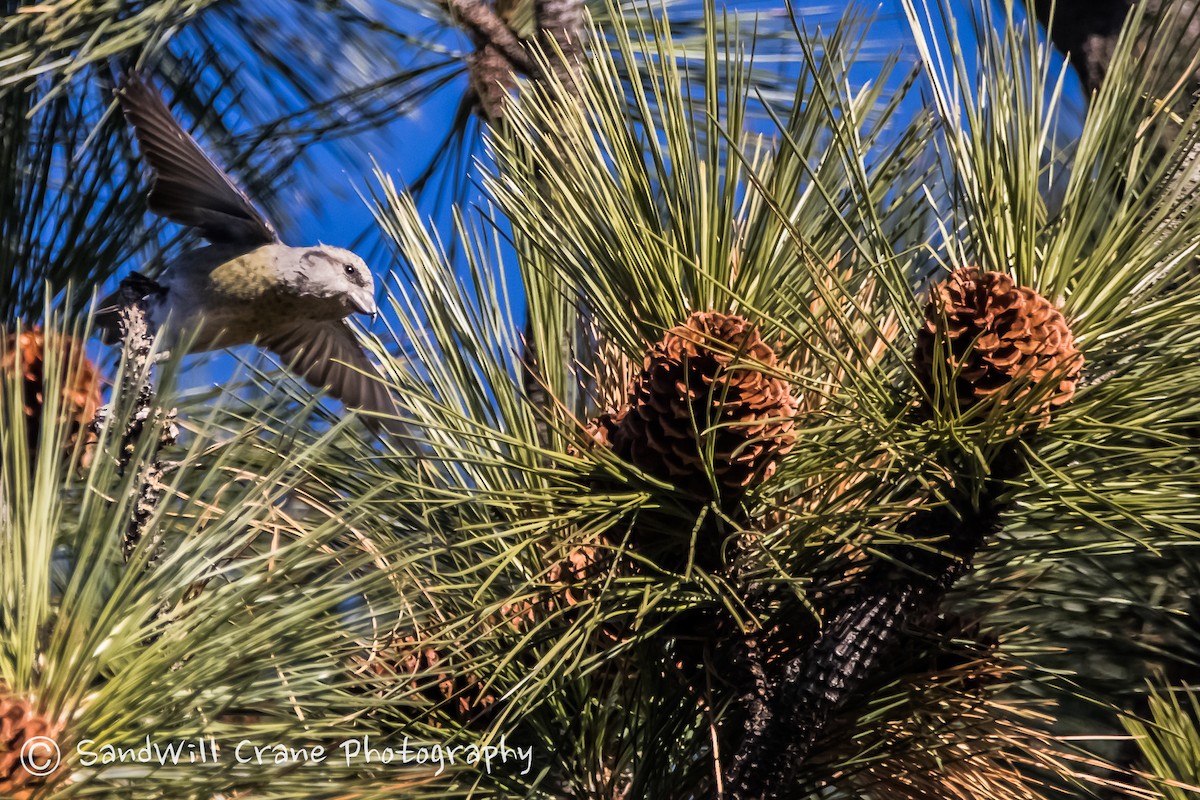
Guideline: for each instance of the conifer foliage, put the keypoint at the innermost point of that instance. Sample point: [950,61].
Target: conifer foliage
[844,447]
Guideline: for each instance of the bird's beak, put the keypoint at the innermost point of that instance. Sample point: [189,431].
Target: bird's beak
[364,303]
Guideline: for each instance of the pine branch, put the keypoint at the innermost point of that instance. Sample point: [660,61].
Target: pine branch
[560,26]
[793,703]
[482,22]
[1086,31]
[500,53]
[492,78]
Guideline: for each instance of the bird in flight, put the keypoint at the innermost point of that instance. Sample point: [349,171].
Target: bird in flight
[246,286]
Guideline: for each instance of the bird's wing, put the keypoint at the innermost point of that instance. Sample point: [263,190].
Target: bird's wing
[327,355]
[188,187]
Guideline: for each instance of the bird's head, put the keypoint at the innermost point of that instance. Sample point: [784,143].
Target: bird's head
[338,276]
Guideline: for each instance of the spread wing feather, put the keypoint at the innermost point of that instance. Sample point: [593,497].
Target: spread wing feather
[188,187]
[327,355]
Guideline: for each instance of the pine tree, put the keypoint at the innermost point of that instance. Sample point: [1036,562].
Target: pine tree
[844,447]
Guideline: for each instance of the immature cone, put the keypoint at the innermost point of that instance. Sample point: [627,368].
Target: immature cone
[689,385]
[995,336]
[415,662]
[26,354]
[21,760]
[568,585]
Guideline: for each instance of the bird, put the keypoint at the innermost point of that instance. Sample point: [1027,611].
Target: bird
[246,286]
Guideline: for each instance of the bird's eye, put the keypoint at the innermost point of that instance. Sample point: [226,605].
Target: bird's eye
[349,270]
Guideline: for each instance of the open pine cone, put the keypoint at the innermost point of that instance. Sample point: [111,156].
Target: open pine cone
[690,384]
[26,354]
[20,722]
[997,337]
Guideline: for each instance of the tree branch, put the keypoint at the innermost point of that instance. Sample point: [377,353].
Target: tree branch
[804,691]
[478,18]
[560,33]
[491,80]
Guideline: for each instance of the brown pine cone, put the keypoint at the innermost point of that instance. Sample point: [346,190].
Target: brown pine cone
[691,395]
[412,661]
[26,354]
[603,429]
[567,579]
[19,723]
[997,338]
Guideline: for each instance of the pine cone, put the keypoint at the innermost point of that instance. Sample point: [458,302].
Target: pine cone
[413,661]
[26,355]
[688,385]
[998,338]
[20,722]
[567,579]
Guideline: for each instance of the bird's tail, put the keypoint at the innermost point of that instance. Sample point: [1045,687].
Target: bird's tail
[107,316]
